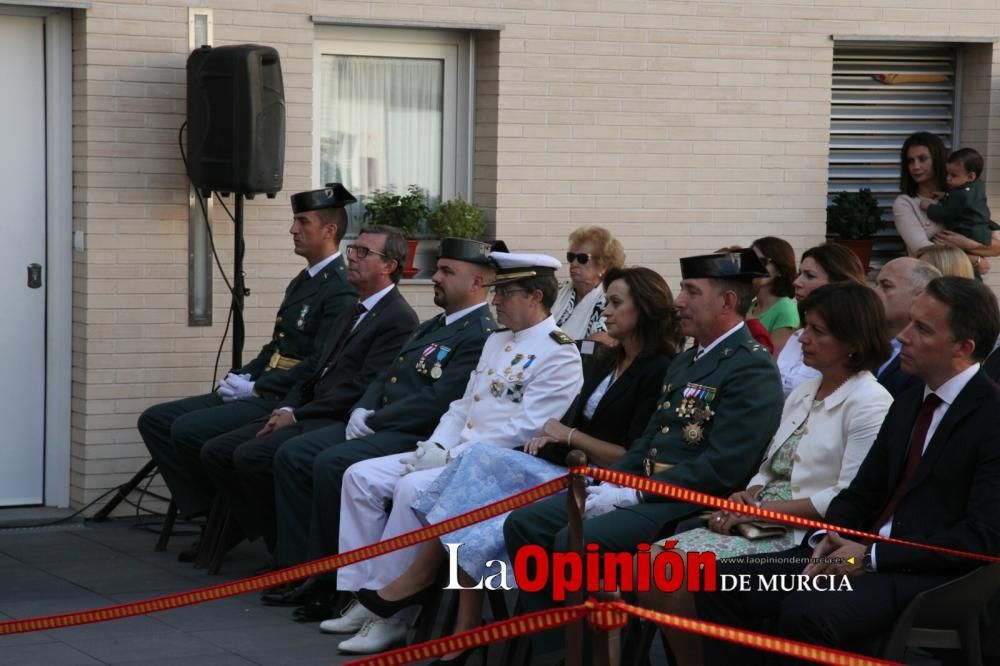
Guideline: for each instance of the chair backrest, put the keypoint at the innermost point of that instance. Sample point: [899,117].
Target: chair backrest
[948,606]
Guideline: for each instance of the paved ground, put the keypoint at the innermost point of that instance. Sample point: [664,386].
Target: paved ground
[81,566]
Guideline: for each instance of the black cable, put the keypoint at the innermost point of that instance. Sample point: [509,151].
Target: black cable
[215,254]
[64,519]
[204,208]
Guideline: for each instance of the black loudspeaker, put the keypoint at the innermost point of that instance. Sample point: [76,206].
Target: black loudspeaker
[236,119]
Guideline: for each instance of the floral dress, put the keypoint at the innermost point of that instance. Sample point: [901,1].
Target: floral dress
[481,475]
[702,539]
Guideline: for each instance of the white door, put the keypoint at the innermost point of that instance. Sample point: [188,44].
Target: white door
[22,244]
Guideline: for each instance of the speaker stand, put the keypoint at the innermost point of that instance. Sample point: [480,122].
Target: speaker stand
[240,291]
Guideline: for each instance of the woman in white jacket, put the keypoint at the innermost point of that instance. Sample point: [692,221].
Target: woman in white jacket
[827,427]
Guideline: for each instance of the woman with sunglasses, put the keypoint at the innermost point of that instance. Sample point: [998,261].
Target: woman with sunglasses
[579,307]
[773,304]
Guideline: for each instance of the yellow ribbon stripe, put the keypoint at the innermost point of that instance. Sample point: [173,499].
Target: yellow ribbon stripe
[609,615]
[648,485]
[286,575]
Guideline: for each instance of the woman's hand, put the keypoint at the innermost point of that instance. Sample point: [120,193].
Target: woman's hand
[535,445]
[723,522]
[956,240]
[748,496]
[556,430]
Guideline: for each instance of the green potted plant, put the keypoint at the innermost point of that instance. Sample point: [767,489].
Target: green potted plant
[852,219]
[456,218]
[406,212]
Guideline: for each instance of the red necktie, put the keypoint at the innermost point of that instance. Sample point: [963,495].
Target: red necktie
[913,455]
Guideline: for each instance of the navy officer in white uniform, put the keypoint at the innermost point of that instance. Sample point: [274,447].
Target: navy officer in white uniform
[529,372]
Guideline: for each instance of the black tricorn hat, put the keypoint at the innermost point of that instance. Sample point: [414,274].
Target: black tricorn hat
[334,195]
[723,266]
[465,249]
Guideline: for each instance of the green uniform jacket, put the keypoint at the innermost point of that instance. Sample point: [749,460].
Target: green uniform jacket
[714,452]
[302,326]
[964,211]
[407,397]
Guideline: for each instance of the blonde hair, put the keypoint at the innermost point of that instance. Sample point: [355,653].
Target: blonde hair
[949,260]
[608,249]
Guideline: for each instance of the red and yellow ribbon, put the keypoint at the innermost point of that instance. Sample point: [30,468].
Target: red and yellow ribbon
[648,485]
[264,581]
[604,616]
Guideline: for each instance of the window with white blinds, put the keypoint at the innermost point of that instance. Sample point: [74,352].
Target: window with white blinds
[881,95]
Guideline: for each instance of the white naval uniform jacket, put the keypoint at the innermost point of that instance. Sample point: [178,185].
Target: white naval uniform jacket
[522,380]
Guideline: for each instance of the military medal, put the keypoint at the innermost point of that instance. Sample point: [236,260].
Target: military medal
[436,371]
[496,388]
[422,361]
[302,317]
[693,433]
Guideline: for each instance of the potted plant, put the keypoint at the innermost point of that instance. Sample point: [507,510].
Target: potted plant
[456,218]
[406,212]
[852,219]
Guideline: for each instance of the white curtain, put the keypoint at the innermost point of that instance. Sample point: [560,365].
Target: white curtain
[381,125]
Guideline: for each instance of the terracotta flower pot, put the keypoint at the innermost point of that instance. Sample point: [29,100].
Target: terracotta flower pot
[862,249]
[411,250]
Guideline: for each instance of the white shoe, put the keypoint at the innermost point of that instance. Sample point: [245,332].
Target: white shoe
[376,635]
[351,619]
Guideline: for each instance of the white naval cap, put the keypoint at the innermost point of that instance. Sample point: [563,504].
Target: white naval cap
[512,266]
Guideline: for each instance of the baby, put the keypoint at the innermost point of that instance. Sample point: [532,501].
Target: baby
[963,209]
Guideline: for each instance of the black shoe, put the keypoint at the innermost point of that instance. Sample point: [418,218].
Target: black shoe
[371,600]
[299,595]
[460,659]
[318,610]
[189,554]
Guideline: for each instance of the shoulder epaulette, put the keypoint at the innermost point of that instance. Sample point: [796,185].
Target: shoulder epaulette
[561,337]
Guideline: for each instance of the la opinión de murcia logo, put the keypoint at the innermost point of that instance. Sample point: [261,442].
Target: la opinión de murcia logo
[536,569]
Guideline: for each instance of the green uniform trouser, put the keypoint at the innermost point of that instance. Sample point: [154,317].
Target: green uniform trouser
[620,531]
[308,473]
[174,433]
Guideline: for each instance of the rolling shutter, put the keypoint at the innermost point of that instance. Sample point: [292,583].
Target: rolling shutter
[881,95]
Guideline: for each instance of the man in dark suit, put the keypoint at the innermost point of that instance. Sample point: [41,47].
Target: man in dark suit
[897,285]
[930,477]
[720,406]
[174,431]
[361,344]
[401,407]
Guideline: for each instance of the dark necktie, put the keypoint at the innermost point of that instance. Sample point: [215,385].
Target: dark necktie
[358,310]
[913,455]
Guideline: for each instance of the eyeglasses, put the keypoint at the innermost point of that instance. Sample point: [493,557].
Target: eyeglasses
[360,251]
[504,293]
[581,257]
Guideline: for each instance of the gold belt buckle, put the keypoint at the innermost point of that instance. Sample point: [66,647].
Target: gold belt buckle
[282,362]
[651,467]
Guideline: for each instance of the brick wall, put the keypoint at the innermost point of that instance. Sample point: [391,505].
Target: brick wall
[681,125]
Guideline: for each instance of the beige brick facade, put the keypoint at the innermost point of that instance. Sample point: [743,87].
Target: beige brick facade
[681,125]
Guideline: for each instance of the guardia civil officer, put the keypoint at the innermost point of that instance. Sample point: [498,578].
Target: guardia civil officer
[402,406]
[174,431]
[721,404]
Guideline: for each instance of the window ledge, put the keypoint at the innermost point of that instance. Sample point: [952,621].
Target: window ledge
[901,39]
[395,23]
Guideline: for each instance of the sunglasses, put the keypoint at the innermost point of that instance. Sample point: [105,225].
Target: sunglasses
[581,258]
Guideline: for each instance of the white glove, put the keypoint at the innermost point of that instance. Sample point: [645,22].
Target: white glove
[235,387]
[608,497]
[357,425]
[427,456]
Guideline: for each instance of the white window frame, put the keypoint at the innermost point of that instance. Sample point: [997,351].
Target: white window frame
[455,48]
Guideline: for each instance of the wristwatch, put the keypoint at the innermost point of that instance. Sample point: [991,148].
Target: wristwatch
[866,561]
